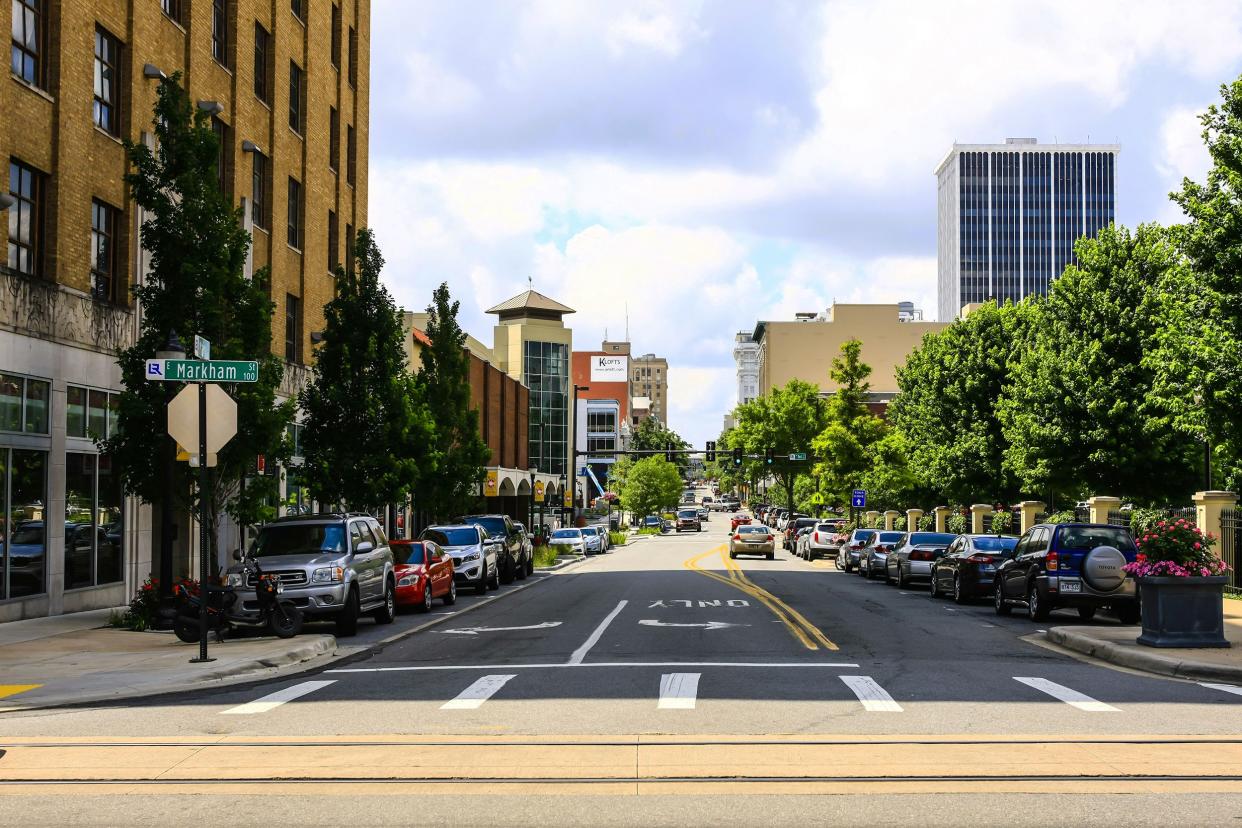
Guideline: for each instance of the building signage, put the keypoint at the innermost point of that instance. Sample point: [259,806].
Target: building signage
[539,491]
[610,368]
[492,483]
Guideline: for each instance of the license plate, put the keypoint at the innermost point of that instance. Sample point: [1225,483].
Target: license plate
[1071,586]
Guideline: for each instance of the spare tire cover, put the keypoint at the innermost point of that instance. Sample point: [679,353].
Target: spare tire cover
[1102,568]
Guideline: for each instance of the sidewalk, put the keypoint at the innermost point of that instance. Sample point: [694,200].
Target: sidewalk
[1117,645]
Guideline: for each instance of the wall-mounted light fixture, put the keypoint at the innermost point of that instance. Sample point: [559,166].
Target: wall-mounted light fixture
[250,146]
[211,107]
[153,72]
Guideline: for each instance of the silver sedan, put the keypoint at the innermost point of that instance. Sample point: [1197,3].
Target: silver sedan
[752,539]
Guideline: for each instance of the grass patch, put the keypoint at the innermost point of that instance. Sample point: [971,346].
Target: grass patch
[545,556]
[617,538]
[649,530]
[1232,595]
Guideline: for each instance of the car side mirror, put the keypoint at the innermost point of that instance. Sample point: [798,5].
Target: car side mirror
[364,547]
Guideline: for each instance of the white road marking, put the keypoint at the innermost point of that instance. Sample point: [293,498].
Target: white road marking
[948,609]
[678,691]
[472,697]
[274,700]
[582,651]
[1071,697]
[477,630]
[767,665]
[707,625]
[1228,688]
[874,698]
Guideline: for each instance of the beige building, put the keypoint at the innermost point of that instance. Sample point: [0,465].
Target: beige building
[804,348]
[288,85]
[649,378]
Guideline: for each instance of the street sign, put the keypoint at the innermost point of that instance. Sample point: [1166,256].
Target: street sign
[221,419]
[202,348]
[859,498]
[798,455]
[197,370]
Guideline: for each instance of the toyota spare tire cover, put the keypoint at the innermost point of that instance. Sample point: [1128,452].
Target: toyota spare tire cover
[1102,568]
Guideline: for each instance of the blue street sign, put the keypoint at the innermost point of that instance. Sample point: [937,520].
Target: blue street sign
[859,498]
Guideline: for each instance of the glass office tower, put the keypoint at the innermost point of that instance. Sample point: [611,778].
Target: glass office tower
[1008,216]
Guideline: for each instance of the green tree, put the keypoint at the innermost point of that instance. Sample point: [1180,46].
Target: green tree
[196,285]
[651,484]
[849,430]
[652,435]
[459,453]
[785,420]
[1078,418]
[366,431]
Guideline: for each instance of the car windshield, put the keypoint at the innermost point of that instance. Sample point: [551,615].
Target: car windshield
[408,553]
[889,537]
[27,535]
[863,535]
[687,513]
[994,544]
[825,527]
[298,539]
[455,536]
[493,525]
[566,534]
[590,530]
[1084,538]
[803,522]
[932,538]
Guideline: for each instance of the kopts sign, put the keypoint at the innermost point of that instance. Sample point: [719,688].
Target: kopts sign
[605,368]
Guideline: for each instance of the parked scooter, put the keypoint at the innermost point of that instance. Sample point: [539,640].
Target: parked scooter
[281,618]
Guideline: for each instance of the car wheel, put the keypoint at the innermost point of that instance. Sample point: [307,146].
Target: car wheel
[425,604]
[901,576]
[530,563]
[888,579]
[450,597]
[771,556]
[347,618]
[494,581]
[387,613]
[480,586]
[934,588]
[508,571]
[732,554]
[1086,613]
[959,597]
[999,597]
[520,570]
[1036,609]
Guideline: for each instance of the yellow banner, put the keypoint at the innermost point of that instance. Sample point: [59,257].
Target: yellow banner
[569,498]
[492,484]
[539,491]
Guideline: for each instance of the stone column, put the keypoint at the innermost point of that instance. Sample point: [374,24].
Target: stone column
[889,517]
[1208,506]
[912,519]
[871,516]
[1100,506]
[1030,509]
[977,511]
[942,518]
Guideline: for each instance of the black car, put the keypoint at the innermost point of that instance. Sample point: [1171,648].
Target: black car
[514,560]
[968,569]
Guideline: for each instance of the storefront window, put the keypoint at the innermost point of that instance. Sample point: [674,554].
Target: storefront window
[38,405]
[79,523]
[23,537]
[11,389]
[75,411]
[110,514]
[546,373]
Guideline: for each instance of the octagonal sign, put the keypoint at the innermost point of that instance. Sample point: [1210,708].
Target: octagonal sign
[221,418]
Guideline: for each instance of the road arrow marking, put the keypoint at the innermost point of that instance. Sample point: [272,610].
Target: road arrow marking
[709,625]
[477,630]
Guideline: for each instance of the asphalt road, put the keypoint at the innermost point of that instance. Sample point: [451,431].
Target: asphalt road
[666,638]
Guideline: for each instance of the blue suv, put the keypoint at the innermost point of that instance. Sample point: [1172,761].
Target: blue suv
[1075,565]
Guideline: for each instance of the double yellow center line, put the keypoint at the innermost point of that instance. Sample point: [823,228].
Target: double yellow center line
[797,624]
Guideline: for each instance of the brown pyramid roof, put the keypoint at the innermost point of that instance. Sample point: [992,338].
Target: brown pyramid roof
[530,300]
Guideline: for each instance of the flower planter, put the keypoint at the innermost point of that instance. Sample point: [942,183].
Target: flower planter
[1183,612]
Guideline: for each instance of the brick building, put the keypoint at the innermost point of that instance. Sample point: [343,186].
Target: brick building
[289,83]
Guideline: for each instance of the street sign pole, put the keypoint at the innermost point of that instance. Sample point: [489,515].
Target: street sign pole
[204,540]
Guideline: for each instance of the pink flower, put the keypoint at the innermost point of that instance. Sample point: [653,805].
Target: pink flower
[1198,545]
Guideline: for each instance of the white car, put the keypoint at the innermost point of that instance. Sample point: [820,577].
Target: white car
[573,539]
[593,540]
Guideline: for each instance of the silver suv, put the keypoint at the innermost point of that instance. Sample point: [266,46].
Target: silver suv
[331,566]
[476,554]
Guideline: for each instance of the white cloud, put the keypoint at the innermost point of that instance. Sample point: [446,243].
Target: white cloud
[1181,153]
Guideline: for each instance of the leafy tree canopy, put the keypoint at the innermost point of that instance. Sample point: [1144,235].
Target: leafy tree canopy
[785,420]
[651,485]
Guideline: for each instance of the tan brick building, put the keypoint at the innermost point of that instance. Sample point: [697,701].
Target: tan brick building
[291,80]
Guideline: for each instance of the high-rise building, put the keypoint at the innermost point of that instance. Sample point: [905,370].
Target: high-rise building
[289,86]
[649,378]
[1008,216]
[746,356]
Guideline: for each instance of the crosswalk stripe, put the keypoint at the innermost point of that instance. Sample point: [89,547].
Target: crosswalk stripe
[1071,697]
[1228,688]
[678,691]
[874,698]
[473,696]
[274,700]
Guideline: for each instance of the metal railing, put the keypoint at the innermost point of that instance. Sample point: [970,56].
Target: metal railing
[1119,519]
[1230,540]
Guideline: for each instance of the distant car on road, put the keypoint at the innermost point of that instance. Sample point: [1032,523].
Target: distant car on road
[793,527]
[513,559]
[571,539]
[688,520]
[738,520]
[704,514]
[753,539]
[592,540]
[654,522]
[968,569]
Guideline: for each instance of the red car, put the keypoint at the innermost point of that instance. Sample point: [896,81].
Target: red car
[424,572]
[739,520]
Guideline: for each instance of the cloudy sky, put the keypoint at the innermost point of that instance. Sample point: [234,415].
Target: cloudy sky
[705,164]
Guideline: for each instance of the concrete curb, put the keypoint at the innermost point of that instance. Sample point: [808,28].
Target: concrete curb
[1141,659]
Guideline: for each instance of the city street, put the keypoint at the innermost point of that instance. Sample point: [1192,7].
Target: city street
[666,670]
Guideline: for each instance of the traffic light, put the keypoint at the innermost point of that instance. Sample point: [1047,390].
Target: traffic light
[711,451]
[737,457]
[668,452]
[768,456]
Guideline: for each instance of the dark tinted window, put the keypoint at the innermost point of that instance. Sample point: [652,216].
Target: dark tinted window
[460,536]
[994,544]
[408,553]
[28,535]
[890,537]
[1086,538]
[932,537]
[299,539]
[495,526]
[863,535]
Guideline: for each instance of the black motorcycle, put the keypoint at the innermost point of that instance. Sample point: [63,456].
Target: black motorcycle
[281,618]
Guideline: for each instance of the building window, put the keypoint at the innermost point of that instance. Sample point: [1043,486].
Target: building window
[90,413]
[294,236]
[299,9]
[28,39]
[546,373]
[24,404]
[349,248]
[260,178]
[334,137]
[172,8]
[293,328]
[262,76]
[351,154]
[93,527]
[297,92]
[25,219]
[105,223]
[336,36]
[107,82]
[353,56]
[223,153]
[23,521]
[220,32]
[333,242]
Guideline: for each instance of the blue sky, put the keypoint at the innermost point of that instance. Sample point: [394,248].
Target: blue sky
[707,164]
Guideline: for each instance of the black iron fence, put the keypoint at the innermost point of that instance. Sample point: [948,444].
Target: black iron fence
[1230,539]
[1119,519]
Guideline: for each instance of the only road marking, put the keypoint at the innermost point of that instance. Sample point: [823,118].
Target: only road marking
[477,630]
[707,625]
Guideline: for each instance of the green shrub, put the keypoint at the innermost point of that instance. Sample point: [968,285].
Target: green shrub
[956,524]
[900,524]
[1002,523]
[927,523]
[545,556]
[617,538]
[648,530]
[1063,517]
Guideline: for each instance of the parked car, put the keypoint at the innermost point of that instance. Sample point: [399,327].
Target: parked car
[25,557]
[528,543]
[514,562]
[874,556]
[424,572]
[912,559]
[572,539]
[821,540]
[738,520]
[968,569]
[797,541]
[849,553]
[654,522]
[704,514]
[793,527]
[331,566]
[688,519]
[1075,565]
[753,539]
[592,540]
[476,556]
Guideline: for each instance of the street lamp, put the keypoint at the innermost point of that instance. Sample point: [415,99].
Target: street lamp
[167,612]
[533,471]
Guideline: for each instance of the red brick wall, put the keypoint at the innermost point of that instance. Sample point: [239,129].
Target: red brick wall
[580,367]
[503,404]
